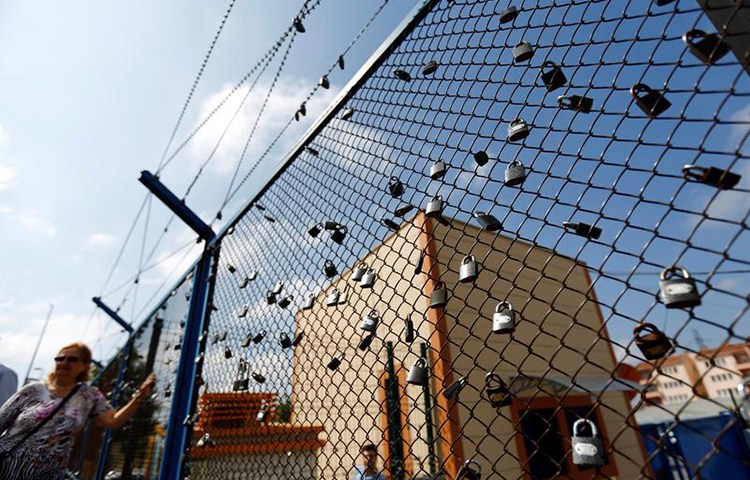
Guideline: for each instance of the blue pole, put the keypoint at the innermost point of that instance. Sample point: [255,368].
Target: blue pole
[184,390]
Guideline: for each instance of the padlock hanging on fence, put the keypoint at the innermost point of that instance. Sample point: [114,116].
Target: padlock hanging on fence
[588,451]
[678,291]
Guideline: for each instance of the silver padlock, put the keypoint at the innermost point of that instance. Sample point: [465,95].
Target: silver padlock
[368,279]
[278,287]
[678,292]
[439,296]
[359,271]
[437,170]
[347,114]
[435,207]
[309,303]
[262,412]
[587,451]
[370,321]
[418,373]
[324,82]
[205,441]
[488,221]
[509,14]
[333,298]
[515,174]
[344,295]
[517,130]
[470,470]
[504,318]
[468,270]
[522,52]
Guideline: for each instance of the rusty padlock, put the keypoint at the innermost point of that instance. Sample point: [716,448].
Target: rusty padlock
[651,341]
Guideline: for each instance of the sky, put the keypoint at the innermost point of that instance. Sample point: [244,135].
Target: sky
[91,93]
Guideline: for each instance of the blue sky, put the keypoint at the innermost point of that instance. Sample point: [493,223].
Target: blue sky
[91,93]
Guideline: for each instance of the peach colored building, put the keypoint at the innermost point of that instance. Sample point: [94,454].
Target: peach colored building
[711,373]
[558,363]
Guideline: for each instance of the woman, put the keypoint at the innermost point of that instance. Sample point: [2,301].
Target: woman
[44,455]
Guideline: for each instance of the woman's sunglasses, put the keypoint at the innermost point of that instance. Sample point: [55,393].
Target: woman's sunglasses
[67,359]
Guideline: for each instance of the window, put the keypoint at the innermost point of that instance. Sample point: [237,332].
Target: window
[543,439]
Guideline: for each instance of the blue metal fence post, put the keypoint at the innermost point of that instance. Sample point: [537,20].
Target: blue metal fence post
[102,463]
[185,383]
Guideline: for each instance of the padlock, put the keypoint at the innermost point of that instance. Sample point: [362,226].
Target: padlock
[708,48]
[199,359]
[522,52]
[335,361]
[241,381]
[583,230]
[678,292]
[339,234]
[481,158]
[497,392]
[552,76]
[651,102]
[347,114]
[439,296]
[587,451]
[409,330]
[309,303]
[370,321]
[368,279]
[299,26]
[259,337]
[395,187]
[333,298]
[488,222]
[468,270]
[393,226]
[504,318]
[723,179]
[470,470]
[509,14]
[359,272]
[285,341]
[344,295]
[575,102]
[651,341]
[418,373]
[303,109]
[231,268]
[402,210]
[364,344]
[259,377]
[515,174]
[205,441]
[517,130]
[168,392]
[262,412]
[435,207]
[420,262]
[286,301]
[429,68]
[227,352]
[252,275]
[455,388]
[298,338]
[243,313]
[340,62]
[314,231]
[402,75]
[278,288]
[437,170]
[330,269]
[324,82]
[270,297]
[331,225]
[246,341]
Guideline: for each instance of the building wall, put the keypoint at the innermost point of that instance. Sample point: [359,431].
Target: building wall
[560,333]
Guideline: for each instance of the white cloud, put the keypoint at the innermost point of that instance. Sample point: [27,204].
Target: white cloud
[7,175]
[287,96]
[36,222]
[99,240]
[742,126]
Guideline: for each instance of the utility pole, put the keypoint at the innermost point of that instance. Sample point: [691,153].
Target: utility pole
[39,342]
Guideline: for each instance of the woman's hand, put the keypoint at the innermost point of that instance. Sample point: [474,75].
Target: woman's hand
[147,385]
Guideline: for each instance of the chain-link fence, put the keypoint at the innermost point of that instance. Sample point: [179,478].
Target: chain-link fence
[516,248]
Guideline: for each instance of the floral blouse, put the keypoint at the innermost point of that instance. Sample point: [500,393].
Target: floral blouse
[49,449]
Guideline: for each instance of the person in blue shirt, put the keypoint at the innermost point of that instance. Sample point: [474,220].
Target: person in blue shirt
[368,471]
[8,383]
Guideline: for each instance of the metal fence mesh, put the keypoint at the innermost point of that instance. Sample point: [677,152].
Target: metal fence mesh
[451,267]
